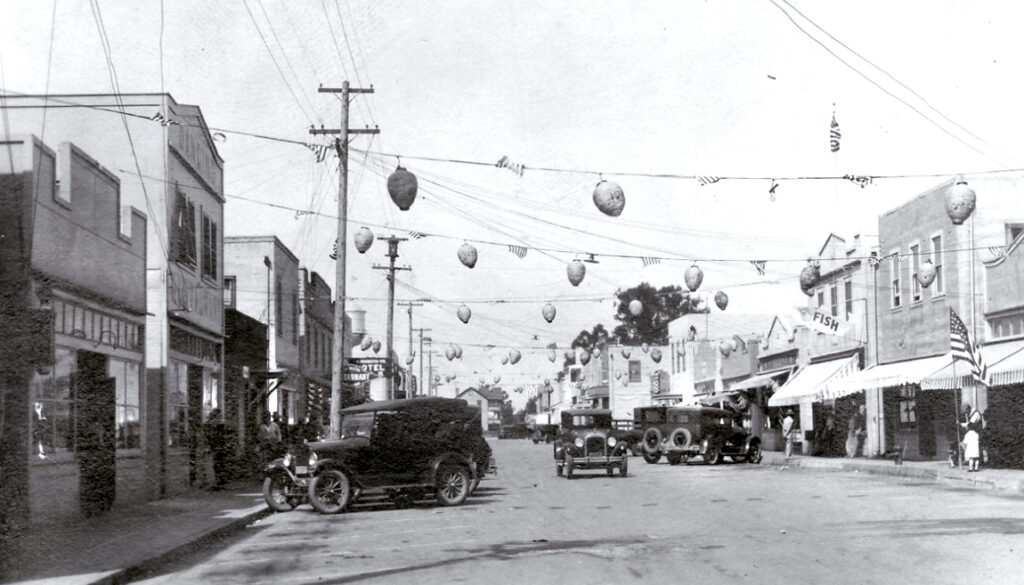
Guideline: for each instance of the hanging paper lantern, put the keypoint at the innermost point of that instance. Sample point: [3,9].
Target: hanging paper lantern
[450,353]
[681,350]
[363,239]
[447,378]
[514,356]
[376,346]
[809,276]
[625,353]
[725,347]
[609,198]
[497,379]
[636,307]
[569,356]
[576,271]
[504,360]
[656,355]
[693,277]
[402,188]
[595,352]
[722,300]
[926,273]
[644,347]
[584,357]
[618,375]
[467,255]
[366,343]
[464,313]
[960,201]
[458,351]
[552,356]
[409,360]
[548,312]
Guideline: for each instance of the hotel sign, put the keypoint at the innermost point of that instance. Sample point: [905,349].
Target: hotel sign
[363,369]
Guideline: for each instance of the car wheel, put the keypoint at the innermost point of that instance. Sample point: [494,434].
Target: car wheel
[558,469]
[674,458]
[570,466]
[452,485]
[651,440]
[651,457]
[274,492]
[329,492]
[712,454]
[624,466]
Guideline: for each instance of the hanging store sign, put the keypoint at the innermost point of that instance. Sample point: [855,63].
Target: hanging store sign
[362,369]
[830,324]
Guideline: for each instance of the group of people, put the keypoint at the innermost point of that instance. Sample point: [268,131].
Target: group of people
[974,424]
[854,436]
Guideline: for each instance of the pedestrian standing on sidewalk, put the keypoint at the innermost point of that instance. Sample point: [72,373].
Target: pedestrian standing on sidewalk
[788,432]
[975,424]
[856,429]
[270,439]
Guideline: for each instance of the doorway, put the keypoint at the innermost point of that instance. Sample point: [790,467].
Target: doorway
[96,426]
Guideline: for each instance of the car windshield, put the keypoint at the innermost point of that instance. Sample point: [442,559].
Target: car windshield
[356,425]
[591,421]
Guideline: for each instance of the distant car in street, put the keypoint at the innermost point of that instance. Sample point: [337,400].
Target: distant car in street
[587,440]
[682,432]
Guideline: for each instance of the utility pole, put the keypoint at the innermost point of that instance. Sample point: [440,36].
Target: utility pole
[430,368]
[421,385]
[391,268]
[409,379]
[341,146]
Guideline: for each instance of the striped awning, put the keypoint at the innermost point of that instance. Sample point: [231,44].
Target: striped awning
[814,380]
[765,380]
[1005,365]
[888,375]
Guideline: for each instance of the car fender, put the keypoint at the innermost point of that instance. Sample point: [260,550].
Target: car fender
[324,464]
[451,457]
[751,441]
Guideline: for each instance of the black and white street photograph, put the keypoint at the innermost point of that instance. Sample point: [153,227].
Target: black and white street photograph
[326,292]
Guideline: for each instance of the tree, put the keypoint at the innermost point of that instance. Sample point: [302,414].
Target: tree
[531,405]
[660,306]
[507,413]
[588,340]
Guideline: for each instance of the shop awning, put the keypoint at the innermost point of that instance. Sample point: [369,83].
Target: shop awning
[765,380]
[813,380]
[887,375]
[1005,365]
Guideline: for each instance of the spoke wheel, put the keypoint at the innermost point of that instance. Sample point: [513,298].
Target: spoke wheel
[275,493]
[624,466]
[754,454]
[330,492]
[652,457]
[452,485]
[713,455]
[674,459]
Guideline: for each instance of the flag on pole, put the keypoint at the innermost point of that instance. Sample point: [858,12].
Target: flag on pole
[708,180]
[417,235]
[759,266]
[647,260]
[965,349]
[998,252]
[834,135]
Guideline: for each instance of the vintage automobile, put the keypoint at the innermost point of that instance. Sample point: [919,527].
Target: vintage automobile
[407,448]
[682,432]
[587,440]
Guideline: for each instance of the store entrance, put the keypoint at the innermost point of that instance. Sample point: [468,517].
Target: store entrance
[96,430]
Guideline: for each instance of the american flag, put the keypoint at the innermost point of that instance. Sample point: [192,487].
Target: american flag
[759,266]
[998,252]
[417,235]
[708,180]
[965,349]
[834,135]
[517,250]
[320,150]
[648,260]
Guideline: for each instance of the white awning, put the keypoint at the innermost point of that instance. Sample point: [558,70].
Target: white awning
[1005,366]
[813,380]
[887,375]
[766,380]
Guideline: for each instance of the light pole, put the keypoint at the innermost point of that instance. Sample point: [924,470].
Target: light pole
[269,265]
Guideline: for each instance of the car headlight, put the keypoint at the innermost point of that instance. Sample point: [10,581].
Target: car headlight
[312,459]
[287,460]
[578,442]
[612,441]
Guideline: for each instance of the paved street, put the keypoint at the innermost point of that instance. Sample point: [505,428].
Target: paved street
[734,523]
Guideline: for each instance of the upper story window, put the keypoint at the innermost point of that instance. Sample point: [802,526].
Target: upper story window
[230,292]
[915,268]
[833,292]
[634,370]
[938,287]
[896,299]
[848,296]
[183,231]
[209,267]
[295,318]
[1013,231]
[278,307]
[821,300]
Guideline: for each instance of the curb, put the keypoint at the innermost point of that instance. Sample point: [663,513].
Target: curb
[140,569]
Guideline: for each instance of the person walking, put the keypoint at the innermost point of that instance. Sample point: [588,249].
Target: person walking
[788,432]
[975,424]
[269,439]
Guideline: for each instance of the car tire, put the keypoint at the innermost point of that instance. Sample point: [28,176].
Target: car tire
[674,458]
[570,466]
[558,469]
[624,466]
[452,485]
[680,438]
[651,458]
[330,492]
[754,453]
[712,453]
[274,493]
[651,440]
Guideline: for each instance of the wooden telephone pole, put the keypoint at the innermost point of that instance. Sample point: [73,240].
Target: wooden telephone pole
[391,268]
[341,145]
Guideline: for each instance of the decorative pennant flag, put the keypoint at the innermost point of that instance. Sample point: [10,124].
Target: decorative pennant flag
[998,252]
[506,163]
[771,190]
[417,235]
[759,266]
[834,135]
[518,250]
[647,260]
[708,180]
[965,349]
[320,150]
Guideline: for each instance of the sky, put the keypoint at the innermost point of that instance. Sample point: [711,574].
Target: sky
[578,93]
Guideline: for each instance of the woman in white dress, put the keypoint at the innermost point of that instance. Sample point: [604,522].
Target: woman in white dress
[972,449]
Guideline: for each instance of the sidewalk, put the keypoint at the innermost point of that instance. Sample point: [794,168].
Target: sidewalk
[1006,480]
[127,541]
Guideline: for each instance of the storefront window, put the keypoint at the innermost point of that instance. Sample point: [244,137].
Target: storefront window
[126,400]
[211,386]
[52,400]
[908,407]
[177,404]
